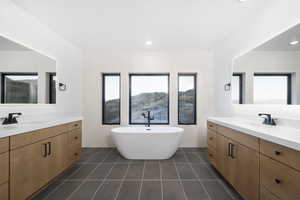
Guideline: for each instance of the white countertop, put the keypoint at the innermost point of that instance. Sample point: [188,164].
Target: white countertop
[33,125]
[283,135]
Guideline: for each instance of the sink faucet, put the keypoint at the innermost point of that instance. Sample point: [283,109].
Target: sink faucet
[11,119]
[268,119]
[147,116]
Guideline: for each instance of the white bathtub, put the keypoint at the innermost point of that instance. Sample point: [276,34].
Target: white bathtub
[139,143]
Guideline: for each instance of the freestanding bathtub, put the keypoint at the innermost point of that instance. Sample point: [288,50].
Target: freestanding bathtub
[139,143]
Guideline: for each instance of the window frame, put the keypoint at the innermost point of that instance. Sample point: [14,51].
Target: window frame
[241,85]
[3,74]
[130,87]
[289,83]
[103,97]
[195,103]
[51,75]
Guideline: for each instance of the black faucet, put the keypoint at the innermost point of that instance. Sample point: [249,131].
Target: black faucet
[11,119]
[148,117]
[268,119]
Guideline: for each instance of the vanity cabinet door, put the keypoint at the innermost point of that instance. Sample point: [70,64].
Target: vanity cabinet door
[222,154]
[57,154]
[244,170]
[239,165]
[29,170]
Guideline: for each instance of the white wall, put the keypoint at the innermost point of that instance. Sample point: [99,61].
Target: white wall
[277,19]
[19,26]
[268,62]
[31,62]
[97,62]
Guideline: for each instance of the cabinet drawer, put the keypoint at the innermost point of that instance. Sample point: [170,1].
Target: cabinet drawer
[279,179]
[4,191]
[4,145]
[212,126]
[4,167]
[266,195]
[74,153]
[283,154]
[211,139]
[242,138]
[212,157]
[35,136]
[75,137]
[74,125]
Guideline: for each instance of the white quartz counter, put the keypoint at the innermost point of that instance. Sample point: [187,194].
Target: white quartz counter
[283,135]
[33,125]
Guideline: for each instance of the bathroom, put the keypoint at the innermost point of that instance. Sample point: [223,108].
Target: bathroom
[85,134]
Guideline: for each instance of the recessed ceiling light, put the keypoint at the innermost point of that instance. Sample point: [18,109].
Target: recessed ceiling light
[242,0]
[148,43]
[294,42]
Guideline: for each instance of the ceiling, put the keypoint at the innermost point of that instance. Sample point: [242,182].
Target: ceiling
[129,23]
[8,45]
[282,41]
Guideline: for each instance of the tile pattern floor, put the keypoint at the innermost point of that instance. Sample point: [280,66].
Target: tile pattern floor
[103,174]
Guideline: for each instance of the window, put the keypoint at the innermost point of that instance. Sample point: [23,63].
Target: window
[272,88]
[237,88]
[52,88]
[149,92]
[19,88]
[111,99]
[187,99]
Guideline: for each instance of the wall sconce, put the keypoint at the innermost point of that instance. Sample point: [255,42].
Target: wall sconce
[227,87]
[62,87]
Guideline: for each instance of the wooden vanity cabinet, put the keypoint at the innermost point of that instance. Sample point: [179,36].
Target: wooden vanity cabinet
[4,168]
[256,168]
[33,164]
[238,163]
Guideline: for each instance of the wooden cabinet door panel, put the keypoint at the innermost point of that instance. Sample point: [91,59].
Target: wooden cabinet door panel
[4,163]
[58,156]
[4,191]
[266,195]
[221,153]
[245,171]
[29,170]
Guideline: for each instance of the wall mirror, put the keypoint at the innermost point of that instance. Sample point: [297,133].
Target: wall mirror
[269,74]
[26,76]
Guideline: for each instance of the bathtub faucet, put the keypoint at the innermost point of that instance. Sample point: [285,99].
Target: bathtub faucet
[147,115]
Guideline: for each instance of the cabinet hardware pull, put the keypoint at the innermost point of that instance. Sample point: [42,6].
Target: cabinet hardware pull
[277,181]
[76,154]
[75,125]
[210,155]
[229,150]
[210,138]
[49,148]
[277,153]
[232,151]
[45,150]
[75,137]
[210,125]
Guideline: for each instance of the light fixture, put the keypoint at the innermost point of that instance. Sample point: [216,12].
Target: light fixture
[294,42]
[242,0]
[148,43]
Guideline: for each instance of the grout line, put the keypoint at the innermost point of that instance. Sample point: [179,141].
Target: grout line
[105,178]
[86,178]
[179,178]
[226,189]
[62,182]
[122,181]
[191,166]
[142,180]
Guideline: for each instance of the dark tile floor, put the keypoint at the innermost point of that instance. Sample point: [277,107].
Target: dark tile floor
[102,174]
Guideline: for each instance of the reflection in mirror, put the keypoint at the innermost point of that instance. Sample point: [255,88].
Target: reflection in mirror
[269,74]
[26,76]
